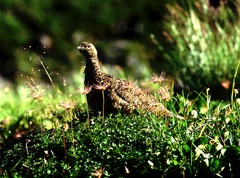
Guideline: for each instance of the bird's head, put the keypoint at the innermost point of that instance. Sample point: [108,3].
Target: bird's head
[87,49]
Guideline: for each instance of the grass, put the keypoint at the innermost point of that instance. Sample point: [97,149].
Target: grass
[59,141]
[48,131]
[203,47]
[143,145]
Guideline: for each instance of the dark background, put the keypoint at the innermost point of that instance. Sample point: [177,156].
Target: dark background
[120,30]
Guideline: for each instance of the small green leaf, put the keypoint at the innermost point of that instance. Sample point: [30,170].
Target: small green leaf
[186,148]
[214,164]
[175,162]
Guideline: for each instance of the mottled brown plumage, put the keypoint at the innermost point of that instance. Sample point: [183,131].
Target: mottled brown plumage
[119,94]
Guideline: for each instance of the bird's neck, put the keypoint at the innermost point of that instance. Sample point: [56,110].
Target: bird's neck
[92,71]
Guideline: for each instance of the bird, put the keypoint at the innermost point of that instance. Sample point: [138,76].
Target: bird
[116,94]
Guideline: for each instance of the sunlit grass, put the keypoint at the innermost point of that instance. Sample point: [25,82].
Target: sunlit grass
[203,140]
[204,51]
[50,120]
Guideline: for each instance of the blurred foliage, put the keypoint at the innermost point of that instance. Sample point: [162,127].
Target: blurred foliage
[54,28]
[203,46]
[121,32]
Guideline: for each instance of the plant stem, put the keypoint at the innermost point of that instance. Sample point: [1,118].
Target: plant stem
[88,117]
[49,77]
[69,113]
[103,108]
[234,80]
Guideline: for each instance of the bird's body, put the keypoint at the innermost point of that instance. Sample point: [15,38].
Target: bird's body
[118,94]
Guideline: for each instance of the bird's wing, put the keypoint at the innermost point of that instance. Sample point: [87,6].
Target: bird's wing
[118,100]
[125,95]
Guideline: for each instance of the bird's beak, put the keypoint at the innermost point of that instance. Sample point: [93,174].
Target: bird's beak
[78,47]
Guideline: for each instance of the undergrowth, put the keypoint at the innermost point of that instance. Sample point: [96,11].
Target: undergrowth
[60,139]
[203,48]
[47,129]
[129,146]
